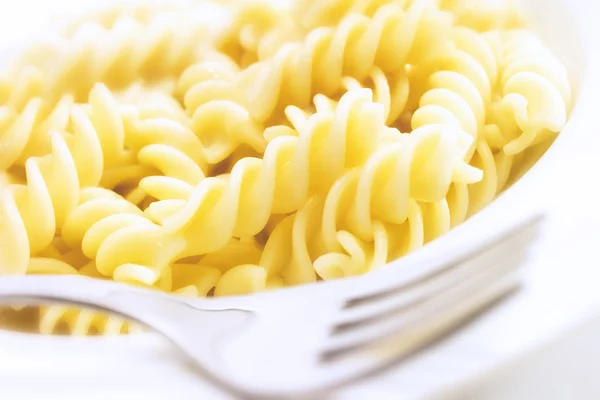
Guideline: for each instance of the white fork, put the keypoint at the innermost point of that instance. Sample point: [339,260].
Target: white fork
[307,341]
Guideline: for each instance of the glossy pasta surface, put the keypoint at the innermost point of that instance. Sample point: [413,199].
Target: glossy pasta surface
[290,143]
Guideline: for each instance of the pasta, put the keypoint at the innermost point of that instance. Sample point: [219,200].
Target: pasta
[294,165]
[386,190]
[275,145]
[352,49]
[475,14]
[126,51]
[257,29]
[218,109]
[318,13]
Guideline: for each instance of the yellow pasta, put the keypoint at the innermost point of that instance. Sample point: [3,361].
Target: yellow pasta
[116,56]
[279,145]
[387,189]
[257,29]
[218,109]
[295,164]
[317,13]
[354,48]
[476,14]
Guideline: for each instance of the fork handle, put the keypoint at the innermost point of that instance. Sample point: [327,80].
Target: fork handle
[141,305]
[163,313]
[189,325]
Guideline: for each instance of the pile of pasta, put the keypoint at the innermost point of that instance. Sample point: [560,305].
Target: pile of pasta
[287,143]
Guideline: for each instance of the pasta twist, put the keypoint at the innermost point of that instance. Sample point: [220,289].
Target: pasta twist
[399,184]
[25,135]
[31,214]
[536,95]
[168,156]
[485,15]
[152,101]
[318,13]
[219,109]
[475,14]
[180,174]
[389,40]
[258,28]
[125,245]
[459,93]
[117,56]
[461,87]
[393,91]
[295,163]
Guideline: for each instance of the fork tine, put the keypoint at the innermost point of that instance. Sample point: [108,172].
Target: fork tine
[512,250]
[416,338]
[438,305]
[522,234]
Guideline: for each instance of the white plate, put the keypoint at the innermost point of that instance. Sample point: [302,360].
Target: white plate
[560,291]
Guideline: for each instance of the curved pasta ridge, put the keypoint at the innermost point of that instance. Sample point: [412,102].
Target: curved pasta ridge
[219,110]
[535,90]
[461,87]
[257,29]
[318,64]
[391,90]
[318,13]
[32,213]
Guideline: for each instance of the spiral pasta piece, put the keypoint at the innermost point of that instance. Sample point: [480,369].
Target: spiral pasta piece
[393,91]
[124,244]
[152,100]
[31,214]
[396,186]
[536,95]
[317,13]
[25,134]
[258,28]
[461,87]
[116,56]
[295,163]
[459,94]
[219,109]
[389,40]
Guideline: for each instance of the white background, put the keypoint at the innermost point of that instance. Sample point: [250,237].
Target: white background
[545,338]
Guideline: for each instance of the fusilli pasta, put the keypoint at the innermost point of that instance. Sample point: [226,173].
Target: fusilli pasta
[352,49]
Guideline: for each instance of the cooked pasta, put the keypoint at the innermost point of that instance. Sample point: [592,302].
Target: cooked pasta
[257,29]
[118,55]
[272,146]
[353,48]
[296,162]
[317,13]
[475,14]
[535,90]
[218,108]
